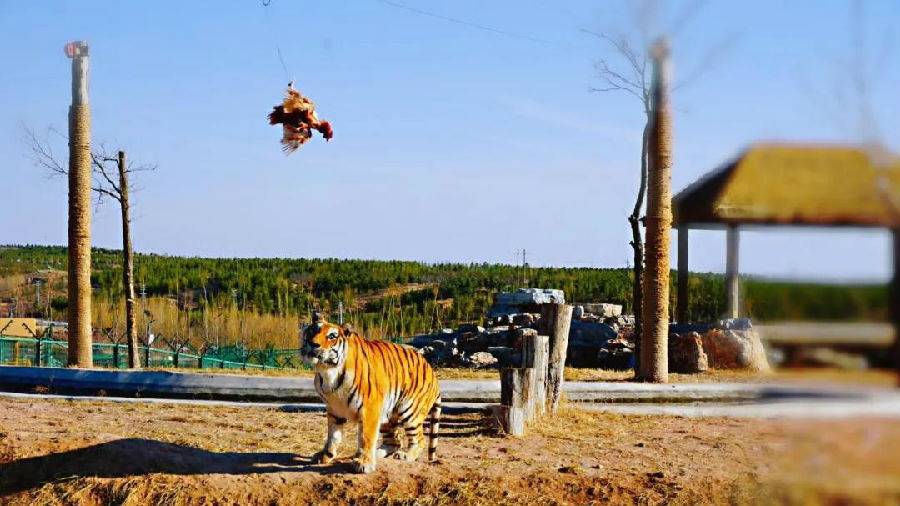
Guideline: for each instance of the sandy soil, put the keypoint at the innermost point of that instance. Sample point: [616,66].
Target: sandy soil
[64,452]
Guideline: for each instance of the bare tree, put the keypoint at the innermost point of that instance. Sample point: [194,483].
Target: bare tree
[629,71]
[110,179]
[632,80]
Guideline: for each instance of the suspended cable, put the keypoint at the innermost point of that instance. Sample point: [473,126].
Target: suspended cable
[470,24]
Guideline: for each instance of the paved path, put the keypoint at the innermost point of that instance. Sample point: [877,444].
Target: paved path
[879,405]
[165,384]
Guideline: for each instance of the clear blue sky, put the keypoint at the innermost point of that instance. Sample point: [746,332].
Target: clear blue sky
[451,143]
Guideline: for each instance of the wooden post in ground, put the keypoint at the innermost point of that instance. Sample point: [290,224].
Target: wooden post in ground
[515,384]
[654,359]
[536,354]
[79,301]
[557,320]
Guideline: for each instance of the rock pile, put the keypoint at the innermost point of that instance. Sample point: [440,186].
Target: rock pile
[600,336]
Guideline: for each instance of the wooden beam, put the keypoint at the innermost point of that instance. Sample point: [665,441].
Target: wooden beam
[732,270]
[683,297]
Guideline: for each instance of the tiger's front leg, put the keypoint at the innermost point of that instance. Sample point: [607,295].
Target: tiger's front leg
[369,425]
[335,434]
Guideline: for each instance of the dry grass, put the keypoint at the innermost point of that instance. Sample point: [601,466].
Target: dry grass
[59,452]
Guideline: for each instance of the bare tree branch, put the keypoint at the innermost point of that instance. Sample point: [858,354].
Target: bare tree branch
[104,164]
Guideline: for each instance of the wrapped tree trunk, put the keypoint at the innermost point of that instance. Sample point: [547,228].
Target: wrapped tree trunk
[79,287]
[127,265]
[654,359]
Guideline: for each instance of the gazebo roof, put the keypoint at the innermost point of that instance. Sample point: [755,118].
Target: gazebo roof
[797,184]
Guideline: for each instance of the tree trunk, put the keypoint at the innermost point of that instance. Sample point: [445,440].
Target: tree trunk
[655,325]
[79,286]
[127,266]
[637,243]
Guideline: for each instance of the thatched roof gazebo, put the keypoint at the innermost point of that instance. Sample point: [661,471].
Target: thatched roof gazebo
[790,184]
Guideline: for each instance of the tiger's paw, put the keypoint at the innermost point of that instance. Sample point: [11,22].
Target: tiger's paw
[363,467]
[322,457]
[406,456]
[386,451]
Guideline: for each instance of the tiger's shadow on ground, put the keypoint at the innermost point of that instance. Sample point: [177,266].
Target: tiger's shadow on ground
[137,456]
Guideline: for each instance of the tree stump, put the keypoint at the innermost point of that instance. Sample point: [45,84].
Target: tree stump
[516,386]
[557,320]
[535,354]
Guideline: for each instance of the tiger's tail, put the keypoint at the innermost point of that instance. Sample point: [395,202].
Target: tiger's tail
[435,419]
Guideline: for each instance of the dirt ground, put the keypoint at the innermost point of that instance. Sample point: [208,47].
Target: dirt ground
[75,452]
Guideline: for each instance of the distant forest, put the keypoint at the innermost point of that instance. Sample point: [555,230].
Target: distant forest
[403,297]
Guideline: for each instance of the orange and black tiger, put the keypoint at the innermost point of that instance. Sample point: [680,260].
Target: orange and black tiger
[379,385]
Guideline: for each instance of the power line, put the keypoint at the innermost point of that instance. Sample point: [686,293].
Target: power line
[470,24]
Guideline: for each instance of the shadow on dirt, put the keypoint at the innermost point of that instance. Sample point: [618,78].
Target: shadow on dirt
[135,456]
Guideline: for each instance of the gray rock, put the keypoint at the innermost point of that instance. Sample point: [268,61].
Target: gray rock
[603,309]
[481,359]
[470,328]
[526,296]
[523,319]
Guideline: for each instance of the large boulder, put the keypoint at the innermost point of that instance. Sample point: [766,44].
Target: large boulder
[528,296]
[590,333]
[735,349]
[686,353]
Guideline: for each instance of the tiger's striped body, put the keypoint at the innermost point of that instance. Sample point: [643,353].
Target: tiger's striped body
[379,385]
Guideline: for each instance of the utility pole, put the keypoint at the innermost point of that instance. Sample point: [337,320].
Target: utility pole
[79,304]
[524,269]
[37,295]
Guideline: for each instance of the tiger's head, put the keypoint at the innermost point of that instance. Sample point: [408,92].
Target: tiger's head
[321,343]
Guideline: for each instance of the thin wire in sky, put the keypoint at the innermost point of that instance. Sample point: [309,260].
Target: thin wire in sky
[470,24]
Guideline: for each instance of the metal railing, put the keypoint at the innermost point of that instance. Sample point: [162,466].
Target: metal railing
[42,352]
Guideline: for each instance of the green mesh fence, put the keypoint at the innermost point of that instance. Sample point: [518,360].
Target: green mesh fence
[51,353]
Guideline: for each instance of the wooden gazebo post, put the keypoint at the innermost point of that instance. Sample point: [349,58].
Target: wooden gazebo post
[681,302]
[732,270]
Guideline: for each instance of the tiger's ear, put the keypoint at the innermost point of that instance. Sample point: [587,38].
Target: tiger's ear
[346,330]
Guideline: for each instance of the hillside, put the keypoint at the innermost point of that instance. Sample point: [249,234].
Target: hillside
[403,297]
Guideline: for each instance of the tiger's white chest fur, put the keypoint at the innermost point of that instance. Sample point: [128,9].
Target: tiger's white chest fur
[334,389]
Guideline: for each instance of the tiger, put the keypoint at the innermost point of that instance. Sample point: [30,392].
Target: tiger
[379,385]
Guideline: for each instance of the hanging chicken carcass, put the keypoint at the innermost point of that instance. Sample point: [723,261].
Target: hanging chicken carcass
[297,115]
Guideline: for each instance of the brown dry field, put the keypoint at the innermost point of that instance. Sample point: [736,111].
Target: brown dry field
[74,452]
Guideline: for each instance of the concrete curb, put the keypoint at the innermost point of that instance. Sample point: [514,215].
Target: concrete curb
[227,387]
